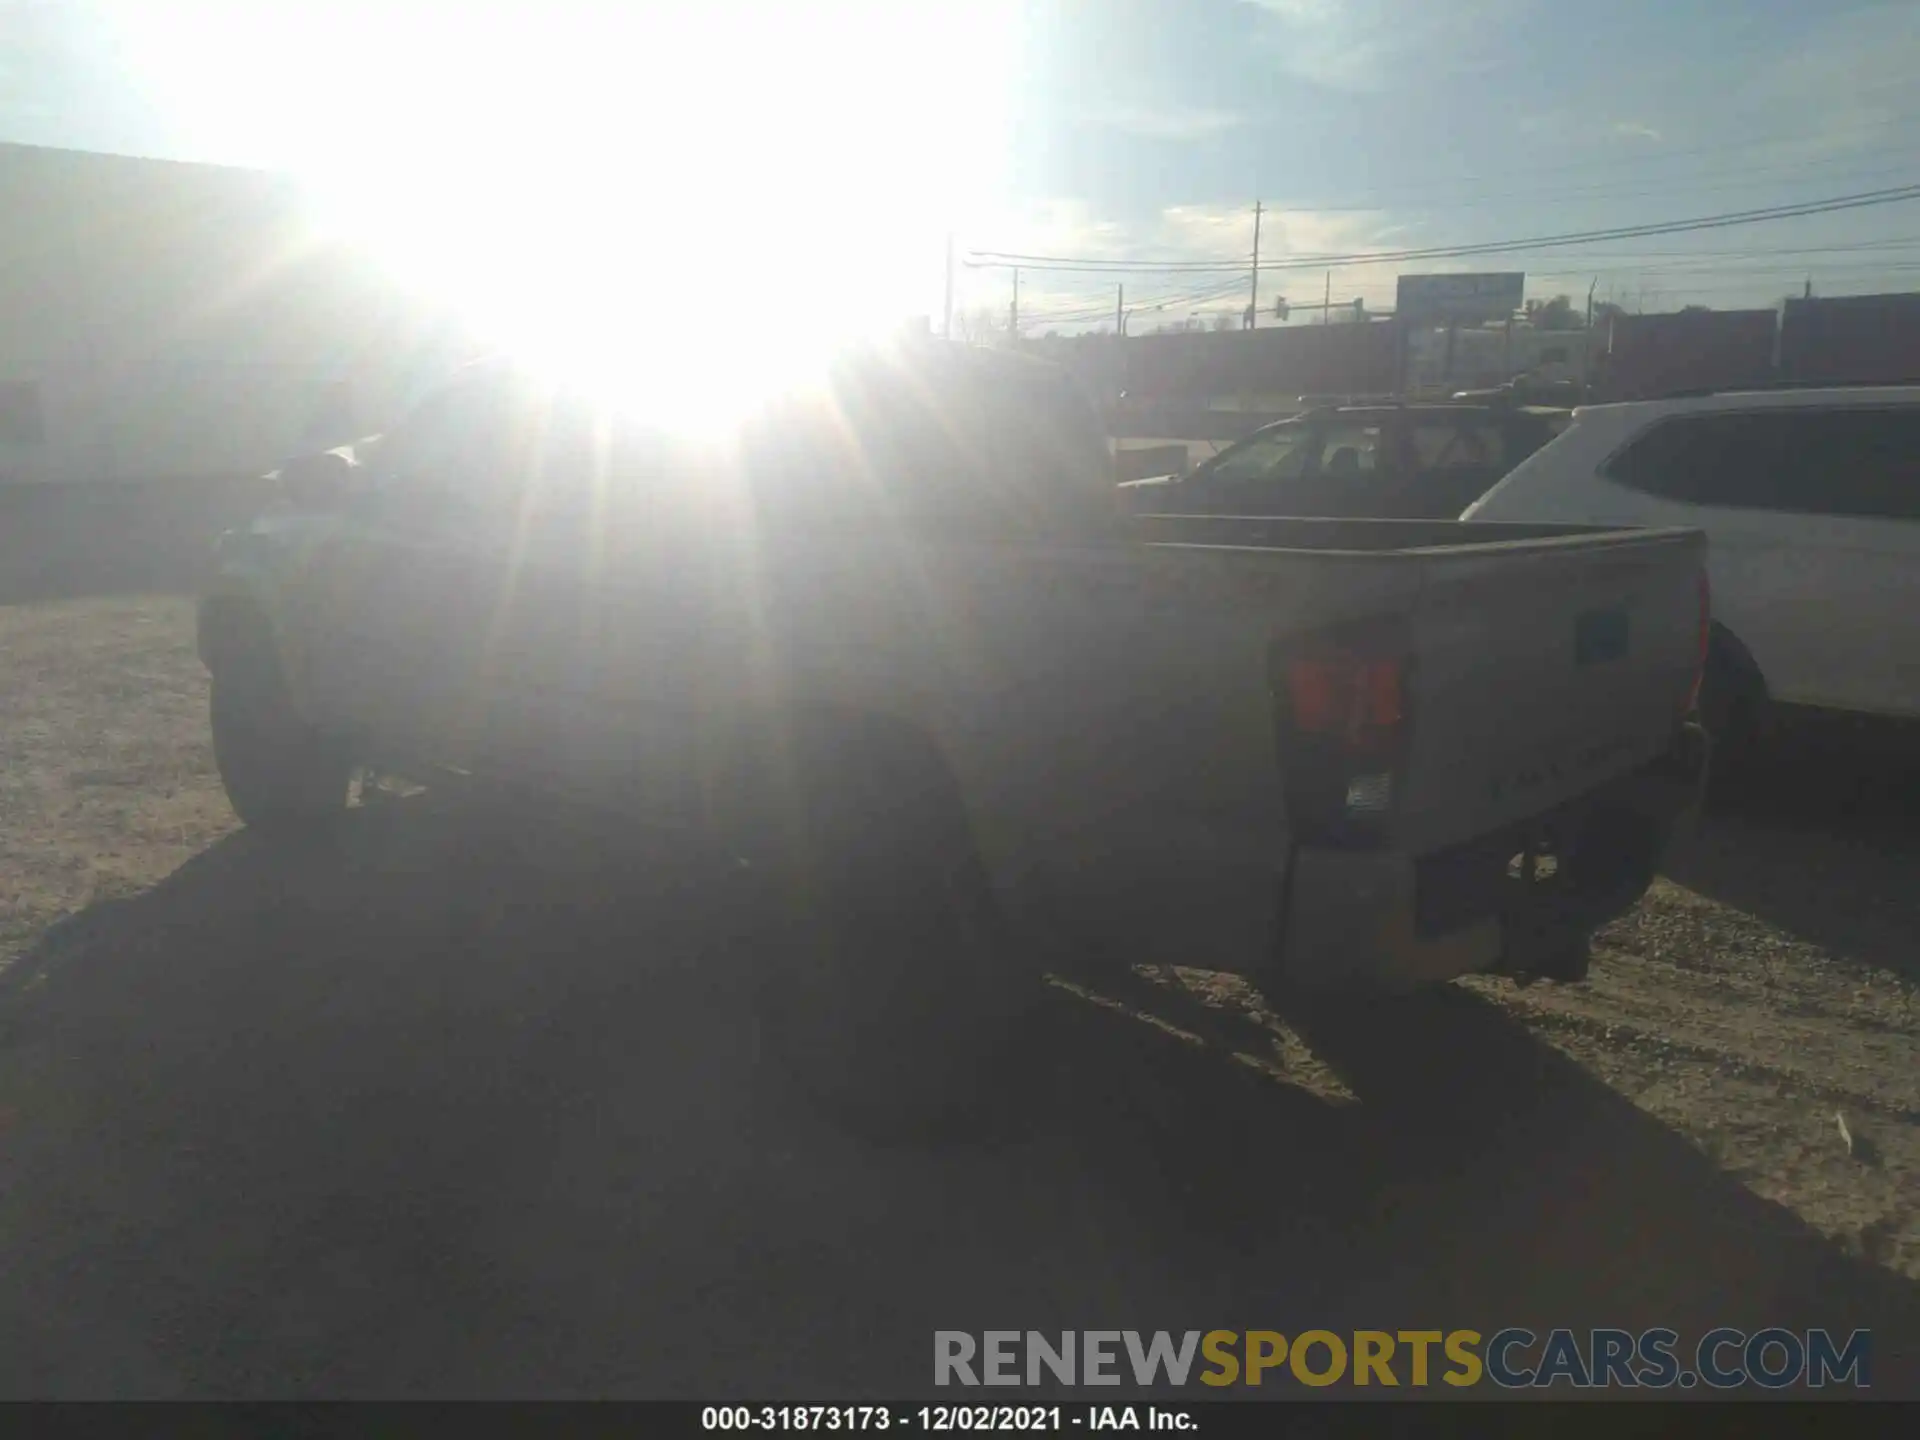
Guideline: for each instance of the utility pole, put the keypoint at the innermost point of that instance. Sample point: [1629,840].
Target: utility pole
[1120,309]
[1586,345]
[1326,301]
[1013,310]
[1253,297]
[946,326]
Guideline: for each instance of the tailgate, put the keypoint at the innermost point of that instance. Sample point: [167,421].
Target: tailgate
[1543,669]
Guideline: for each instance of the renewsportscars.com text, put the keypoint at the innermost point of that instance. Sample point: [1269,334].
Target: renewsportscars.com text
[1721,1359]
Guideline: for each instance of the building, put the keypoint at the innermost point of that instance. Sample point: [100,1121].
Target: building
[1488,355]
[1849,340]
[1653,355]
[162,320]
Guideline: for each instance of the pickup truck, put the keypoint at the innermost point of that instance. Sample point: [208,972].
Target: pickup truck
[892,647]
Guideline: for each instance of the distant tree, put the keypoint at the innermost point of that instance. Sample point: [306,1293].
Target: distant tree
[1554,314]
[1606,312]
[1696,309]
[1280,307]
[1226,320]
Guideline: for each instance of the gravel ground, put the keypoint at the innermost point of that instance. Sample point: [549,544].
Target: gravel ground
[422,1114]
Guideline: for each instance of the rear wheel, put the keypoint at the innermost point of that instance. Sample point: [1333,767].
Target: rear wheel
[282,776]
[891,990]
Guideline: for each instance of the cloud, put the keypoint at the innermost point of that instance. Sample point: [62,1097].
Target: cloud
[1777,93]
[1572,125]
[1849,81]
[1164,124]
[1373,46]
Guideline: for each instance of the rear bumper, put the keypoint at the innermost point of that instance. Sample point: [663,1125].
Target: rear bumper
[1395,921]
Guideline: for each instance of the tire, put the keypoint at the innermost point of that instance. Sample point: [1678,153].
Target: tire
[891,990]
[282,776]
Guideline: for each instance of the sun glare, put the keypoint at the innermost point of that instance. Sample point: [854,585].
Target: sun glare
[693,197]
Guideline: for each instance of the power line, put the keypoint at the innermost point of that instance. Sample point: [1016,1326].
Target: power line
[1756,176]
[1091,265]
[1068,310]
[1174,300]
[1735,262]
[1666,153]
[1757,280]
[1899,242]
[1730,272]
[1748,278]
[1090,312]
[1156,300]
[1622,262]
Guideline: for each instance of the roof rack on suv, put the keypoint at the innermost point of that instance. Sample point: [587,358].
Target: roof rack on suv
[1776,386]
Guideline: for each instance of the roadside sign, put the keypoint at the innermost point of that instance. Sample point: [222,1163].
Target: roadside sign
[1458,299]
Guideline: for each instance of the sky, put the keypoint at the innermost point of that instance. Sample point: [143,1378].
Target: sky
[740,159]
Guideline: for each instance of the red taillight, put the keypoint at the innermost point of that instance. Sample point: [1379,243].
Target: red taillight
[1345,696]
[1345,723]
[1706,634]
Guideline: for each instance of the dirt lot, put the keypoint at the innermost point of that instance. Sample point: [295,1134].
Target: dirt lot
[430,1113]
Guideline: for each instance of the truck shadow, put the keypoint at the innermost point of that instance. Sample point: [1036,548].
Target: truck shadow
[1823,842]
[406,1115]
[1479,1172]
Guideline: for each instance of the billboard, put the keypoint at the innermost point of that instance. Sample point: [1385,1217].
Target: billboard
[1458,299]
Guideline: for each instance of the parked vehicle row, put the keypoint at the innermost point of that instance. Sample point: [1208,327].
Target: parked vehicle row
[898,650]
[1360,461]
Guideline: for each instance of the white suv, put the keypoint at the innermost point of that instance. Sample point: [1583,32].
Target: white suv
[1811,504]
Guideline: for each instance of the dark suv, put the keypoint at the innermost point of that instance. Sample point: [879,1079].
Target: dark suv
[1412,461]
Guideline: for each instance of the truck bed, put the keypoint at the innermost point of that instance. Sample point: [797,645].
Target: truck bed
[1109,704]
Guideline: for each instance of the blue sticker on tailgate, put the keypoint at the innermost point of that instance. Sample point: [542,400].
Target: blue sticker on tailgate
[1599,636]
